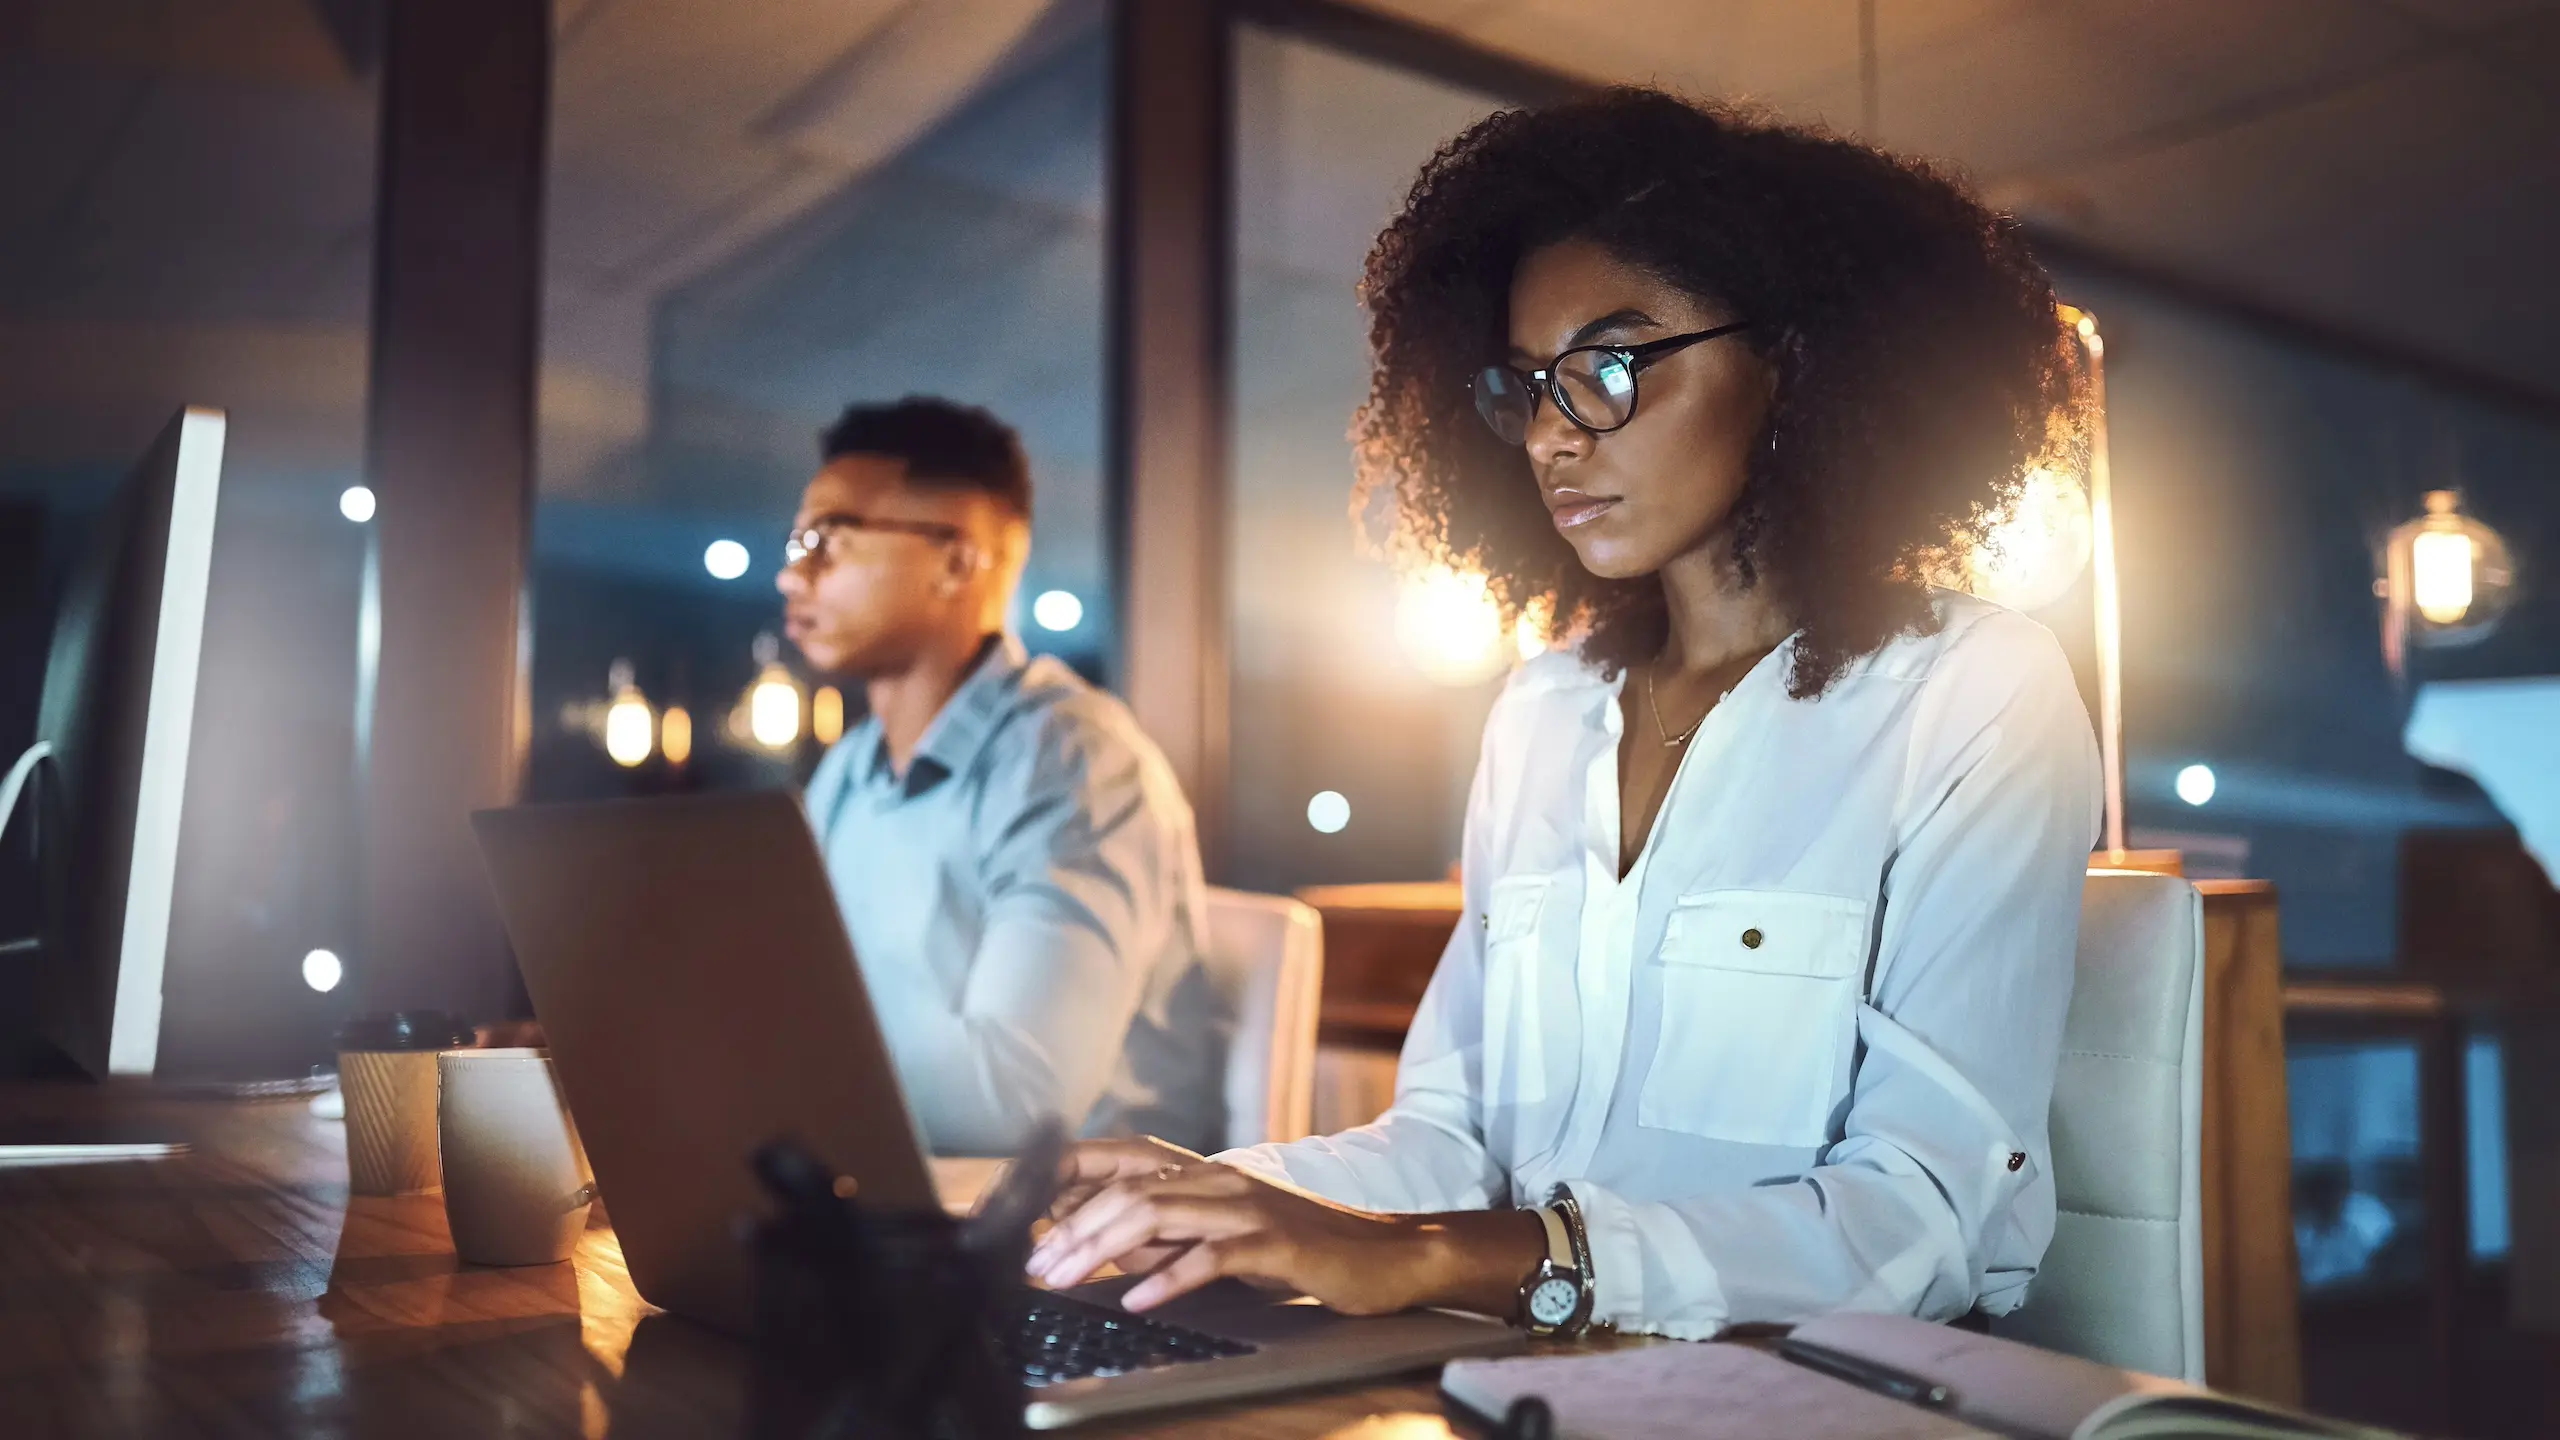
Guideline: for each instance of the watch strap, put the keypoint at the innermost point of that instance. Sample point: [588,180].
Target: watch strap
[1559,1238]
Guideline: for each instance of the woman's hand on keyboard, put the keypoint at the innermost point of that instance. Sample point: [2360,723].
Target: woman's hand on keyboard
[1184,1222]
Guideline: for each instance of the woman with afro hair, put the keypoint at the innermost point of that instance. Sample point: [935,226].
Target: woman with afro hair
[1772,877]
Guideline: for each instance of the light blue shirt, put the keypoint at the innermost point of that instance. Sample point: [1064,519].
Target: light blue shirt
[1027,908]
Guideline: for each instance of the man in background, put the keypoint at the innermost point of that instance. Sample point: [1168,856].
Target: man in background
[1014,858]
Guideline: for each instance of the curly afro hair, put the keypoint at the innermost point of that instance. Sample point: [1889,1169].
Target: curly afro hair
[1921,366]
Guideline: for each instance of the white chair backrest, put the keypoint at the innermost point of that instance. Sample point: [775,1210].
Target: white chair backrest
[2123,1282]
[1267,952]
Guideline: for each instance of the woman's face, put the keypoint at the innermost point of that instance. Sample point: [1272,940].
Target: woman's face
[1665,483]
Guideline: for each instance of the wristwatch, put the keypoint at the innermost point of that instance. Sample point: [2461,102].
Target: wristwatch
[1556,1298]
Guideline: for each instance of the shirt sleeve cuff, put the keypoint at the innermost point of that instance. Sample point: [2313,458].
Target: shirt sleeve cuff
[1263,1160]
[1618,1273]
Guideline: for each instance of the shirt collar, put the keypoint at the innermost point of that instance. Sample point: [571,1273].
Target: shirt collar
[960,729]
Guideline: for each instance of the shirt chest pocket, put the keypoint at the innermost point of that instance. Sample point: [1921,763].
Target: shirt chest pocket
[1759,1011]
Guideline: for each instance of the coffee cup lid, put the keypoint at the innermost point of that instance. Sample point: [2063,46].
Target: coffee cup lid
[405,1030]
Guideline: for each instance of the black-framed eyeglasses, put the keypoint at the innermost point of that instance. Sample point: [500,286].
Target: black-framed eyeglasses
[814,538]
[1593,385]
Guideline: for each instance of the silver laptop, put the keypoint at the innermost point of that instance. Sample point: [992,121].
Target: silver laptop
[691,972]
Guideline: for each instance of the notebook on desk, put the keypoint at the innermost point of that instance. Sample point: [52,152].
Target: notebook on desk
[1917,1381]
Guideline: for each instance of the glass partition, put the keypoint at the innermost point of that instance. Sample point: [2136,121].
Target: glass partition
[808,216]
[1350,761]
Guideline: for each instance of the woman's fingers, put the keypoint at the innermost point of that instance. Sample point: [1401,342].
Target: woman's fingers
[1244,1256]
[1090,1166]
[1155,1220]
[1106,1205]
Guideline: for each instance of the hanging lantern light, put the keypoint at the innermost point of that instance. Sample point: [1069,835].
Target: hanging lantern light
[630,726]
[2447,580]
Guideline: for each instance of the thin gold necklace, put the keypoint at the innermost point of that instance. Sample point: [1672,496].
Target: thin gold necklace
[1669,740]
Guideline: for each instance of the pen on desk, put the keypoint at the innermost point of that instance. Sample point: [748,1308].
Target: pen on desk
[1867,1374]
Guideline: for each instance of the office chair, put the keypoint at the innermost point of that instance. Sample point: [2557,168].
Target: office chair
[2123,1282]
[1267,952]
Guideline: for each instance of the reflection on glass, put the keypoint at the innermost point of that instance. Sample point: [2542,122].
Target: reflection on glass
[1342,679]
[2358,1211]
[842,204]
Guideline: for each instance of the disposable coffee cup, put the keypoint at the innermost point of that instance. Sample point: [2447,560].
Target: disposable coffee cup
[516,1183]
[387,1078]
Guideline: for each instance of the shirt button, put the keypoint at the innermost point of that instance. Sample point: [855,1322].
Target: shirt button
[2017,1161]
[1751,939]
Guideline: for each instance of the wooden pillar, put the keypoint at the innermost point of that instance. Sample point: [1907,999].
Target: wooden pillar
[2252,1321]
[456,304]
[1170,283]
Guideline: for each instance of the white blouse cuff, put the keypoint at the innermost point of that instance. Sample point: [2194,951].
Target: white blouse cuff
[1617,1273]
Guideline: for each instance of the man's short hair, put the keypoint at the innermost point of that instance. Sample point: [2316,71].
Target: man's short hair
[946,446]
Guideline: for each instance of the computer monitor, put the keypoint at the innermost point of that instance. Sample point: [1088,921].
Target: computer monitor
[100,790]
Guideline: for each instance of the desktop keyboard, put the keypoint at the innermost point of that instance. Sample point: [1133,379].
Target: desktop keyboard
[1062,1339]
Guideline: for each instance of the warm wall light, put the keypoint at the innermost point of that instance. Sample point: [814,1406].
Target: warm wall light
[629,725]
[1529,633]
[322,971]
[1449,626]
[675,735]
[2447,579]
[826,715]
[2037,545]
[356,503]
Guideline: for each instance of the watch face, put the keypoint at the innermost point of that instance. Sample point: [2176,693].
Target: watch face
[1553,1301]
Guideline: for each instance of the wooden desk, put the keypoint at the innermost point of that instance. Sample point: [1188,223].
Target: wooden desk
[239,1291]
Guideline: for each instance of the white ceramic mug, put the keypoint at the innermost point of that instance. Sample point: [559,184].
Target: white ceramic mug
[516,1183]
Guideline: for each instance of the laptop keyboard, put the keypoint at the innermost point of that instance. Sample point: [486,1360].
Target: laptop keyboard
[1063,1339]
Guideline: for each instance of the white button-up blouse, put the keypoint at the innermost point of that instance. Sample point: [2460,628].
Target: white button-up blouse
[1798,1059]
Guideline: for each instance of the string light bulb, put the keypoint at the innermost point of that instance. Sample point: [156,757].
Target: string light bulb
[675,735]
[826,715]
[629,724]
[769,714]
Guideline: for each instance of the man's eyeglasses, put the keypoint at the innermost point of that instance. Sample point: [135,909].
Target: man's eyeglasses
[1593,385]
[814,540]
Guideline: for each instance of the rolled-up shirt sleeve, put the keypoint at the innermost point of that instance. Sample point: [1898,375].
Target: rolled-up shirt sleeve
[1079,864]
[1937,1197]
